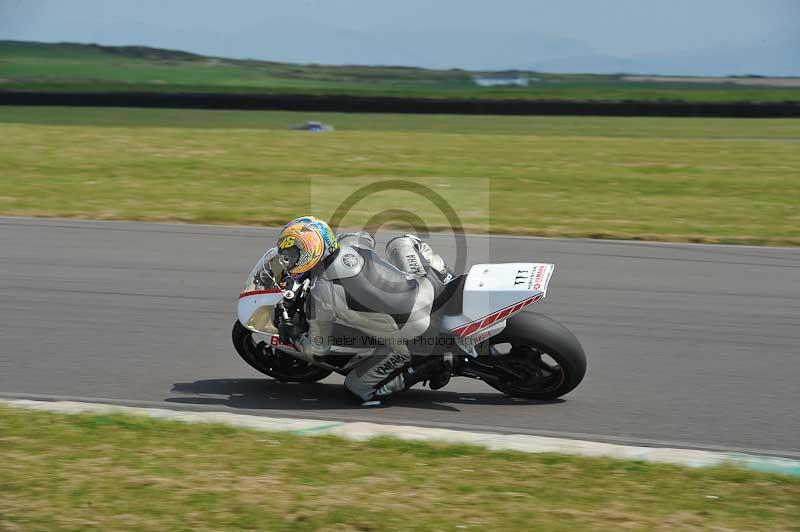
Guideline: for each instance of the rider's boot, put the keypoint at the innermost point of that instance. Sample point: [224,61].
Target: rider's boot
[435,369]
[441,378]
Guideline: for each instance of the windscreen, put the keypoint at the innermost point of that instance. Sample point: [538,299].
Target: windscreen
[266,275]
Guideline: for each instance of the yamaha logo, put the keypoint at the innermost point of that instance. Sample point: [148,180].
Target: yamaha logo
[350,260]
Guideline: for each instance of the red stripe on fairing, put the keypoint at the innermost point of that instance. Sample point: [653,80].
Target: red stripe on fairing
[488,321]
[519,306]
[471,329]
[259,292]
[482,323]
[459,331]
[503,314]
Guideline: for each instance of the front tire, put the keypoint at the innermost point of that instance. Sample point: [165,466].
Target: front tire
[534,340]
[276,364]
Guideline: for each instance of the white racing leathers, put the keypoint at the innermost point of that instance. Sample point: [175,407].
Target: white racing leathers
[389,302]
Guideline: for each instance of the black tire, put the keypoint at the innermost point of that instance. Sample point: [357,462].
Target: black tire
[280,366]
[532,335]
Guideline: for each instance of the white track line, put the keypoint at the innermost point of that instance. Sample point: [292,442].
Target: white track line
[360,431]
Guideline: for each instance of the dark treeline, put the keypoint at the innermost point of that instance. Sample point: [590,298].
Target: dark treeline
[350,104]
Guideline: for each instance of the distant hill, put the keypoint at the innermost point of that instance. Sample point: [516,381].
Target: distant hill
[37,66]
[780,56]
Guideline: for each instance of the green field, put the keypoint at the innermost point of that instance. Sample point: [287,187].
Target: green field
[92,68]
[92,472]
[698,180]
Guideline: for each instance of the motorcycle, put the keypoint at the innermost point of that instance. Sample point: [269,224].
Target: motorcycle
[481,319]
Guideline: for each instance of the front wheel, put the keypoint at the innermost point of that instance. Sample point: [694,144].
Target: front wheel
[276,364]
[542,359]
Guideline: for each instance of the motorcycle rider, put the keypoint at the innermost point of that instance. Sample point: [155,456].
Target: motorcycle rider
[353,286]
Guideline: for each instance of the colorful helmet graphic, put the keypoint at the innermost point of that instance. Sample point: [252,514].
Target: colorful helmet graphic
[303,243]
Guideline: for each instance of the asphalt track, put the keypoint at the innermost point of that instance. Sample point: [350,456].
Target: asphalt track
[688,345]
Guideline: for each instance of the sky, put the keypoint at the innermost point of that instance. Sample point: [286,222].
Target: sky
[714,37]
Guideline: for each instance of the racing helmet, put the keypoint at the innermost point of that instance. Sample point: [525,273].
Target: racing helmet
[303,244]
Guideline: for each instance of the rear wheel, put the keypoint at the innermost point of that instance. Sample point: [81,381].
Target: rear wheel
[276,364]
[541,358]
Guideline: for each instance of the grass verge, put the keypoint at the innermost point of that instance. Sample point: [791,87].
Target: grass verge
[65,472]
[696,180]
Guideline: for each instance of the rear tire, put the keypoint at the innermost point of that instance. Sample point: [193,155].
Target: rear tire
[531,336]
[276,364]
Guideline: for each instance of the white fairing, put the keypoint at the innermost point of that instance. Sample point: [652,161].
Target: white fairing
[493,293]
[260,295]
[255,311]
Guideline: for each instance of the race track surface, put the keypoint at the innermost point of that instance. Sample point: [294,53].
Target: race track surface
[688,345]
